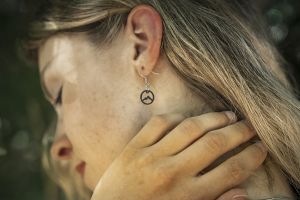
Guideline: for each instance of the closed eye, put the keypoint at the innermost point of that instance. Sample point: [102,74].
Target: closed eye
[58,100]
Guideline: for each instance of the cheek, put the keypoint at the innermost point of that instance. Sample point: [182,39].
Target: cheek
[102,112]
[109,103]
[100,120]
[98,128]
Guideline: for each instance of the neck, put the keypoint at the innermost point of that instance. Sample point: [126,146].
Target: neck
[268,181]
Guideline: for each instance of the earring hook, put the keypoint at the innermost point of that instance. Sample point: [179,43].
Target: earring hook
[153,72]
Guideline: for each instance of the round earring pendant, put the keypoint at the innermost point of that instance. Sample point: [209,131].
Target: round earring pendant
[147,97]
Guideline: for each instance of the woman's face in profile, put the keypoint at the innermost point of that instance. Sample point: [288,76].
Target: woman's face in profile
[96,91]
[99,110]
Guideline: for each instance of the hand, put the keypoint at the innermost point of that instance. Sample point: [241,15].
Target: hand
[163,160]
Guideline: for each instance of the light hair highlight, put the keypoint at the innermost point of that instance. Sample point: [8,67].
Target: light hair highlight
[220,51]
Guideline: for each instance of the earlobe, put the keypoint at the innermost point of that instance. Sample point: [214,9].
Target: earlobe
[144,27]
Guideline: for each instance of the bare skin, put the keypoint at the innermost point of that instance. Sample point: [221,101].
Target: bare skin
[100,111]
[162,165]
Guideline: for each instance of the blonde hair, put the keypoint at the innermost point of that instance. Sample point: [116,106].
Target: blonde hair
[218,48]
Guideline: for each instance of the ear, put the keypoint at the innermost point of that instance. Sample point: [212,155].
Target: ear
[144,28]
[61,148]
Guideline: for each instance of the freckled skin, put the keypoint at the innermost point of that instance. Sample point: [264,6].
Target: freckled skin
[101,108]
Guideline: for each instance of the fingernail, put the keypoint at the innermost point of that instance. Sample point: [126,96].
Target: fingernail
[231,115]
[240,197]
[261,146]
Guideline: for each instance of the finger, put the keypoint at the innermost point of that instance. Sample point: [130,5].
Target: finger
[234,194]
[191,129]
[155,129]
[212,145]
[233,171]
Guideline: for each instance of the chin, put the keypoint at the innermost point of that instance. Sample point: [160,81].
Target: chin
[91,187]
[89,181]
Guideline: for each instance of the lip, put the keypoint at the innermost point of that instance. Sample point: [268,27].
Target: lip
[80,168]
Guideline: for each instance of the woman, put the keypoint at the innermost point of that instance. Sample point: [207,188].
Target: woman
[108,66]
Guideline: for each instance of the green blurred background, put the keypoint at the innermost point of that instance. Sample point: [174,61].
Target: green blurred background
[25,115]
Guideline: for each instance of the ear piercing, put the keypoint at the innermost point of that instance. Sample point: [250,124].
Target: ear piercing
[147,96]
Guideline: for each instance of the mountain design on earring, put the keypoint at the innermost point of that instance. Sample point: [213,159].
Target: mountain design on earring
[147,97]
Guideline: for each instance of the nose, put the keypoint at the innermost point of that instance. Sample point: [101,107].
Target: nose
[61,148]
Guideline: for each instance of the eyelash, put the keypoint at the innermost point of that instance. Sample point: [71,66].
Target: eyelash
[58,100]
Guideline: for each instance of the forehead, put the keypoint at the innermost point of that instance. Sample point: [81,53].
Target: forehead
[57,48]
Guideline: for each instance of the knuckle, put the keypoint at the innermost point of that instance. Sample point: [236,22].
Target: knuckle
[160,119]
[163,175]
[215,142]
[236,171]
[128,155]
[188,125]
[245,129]
[144,159]
[259,154]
